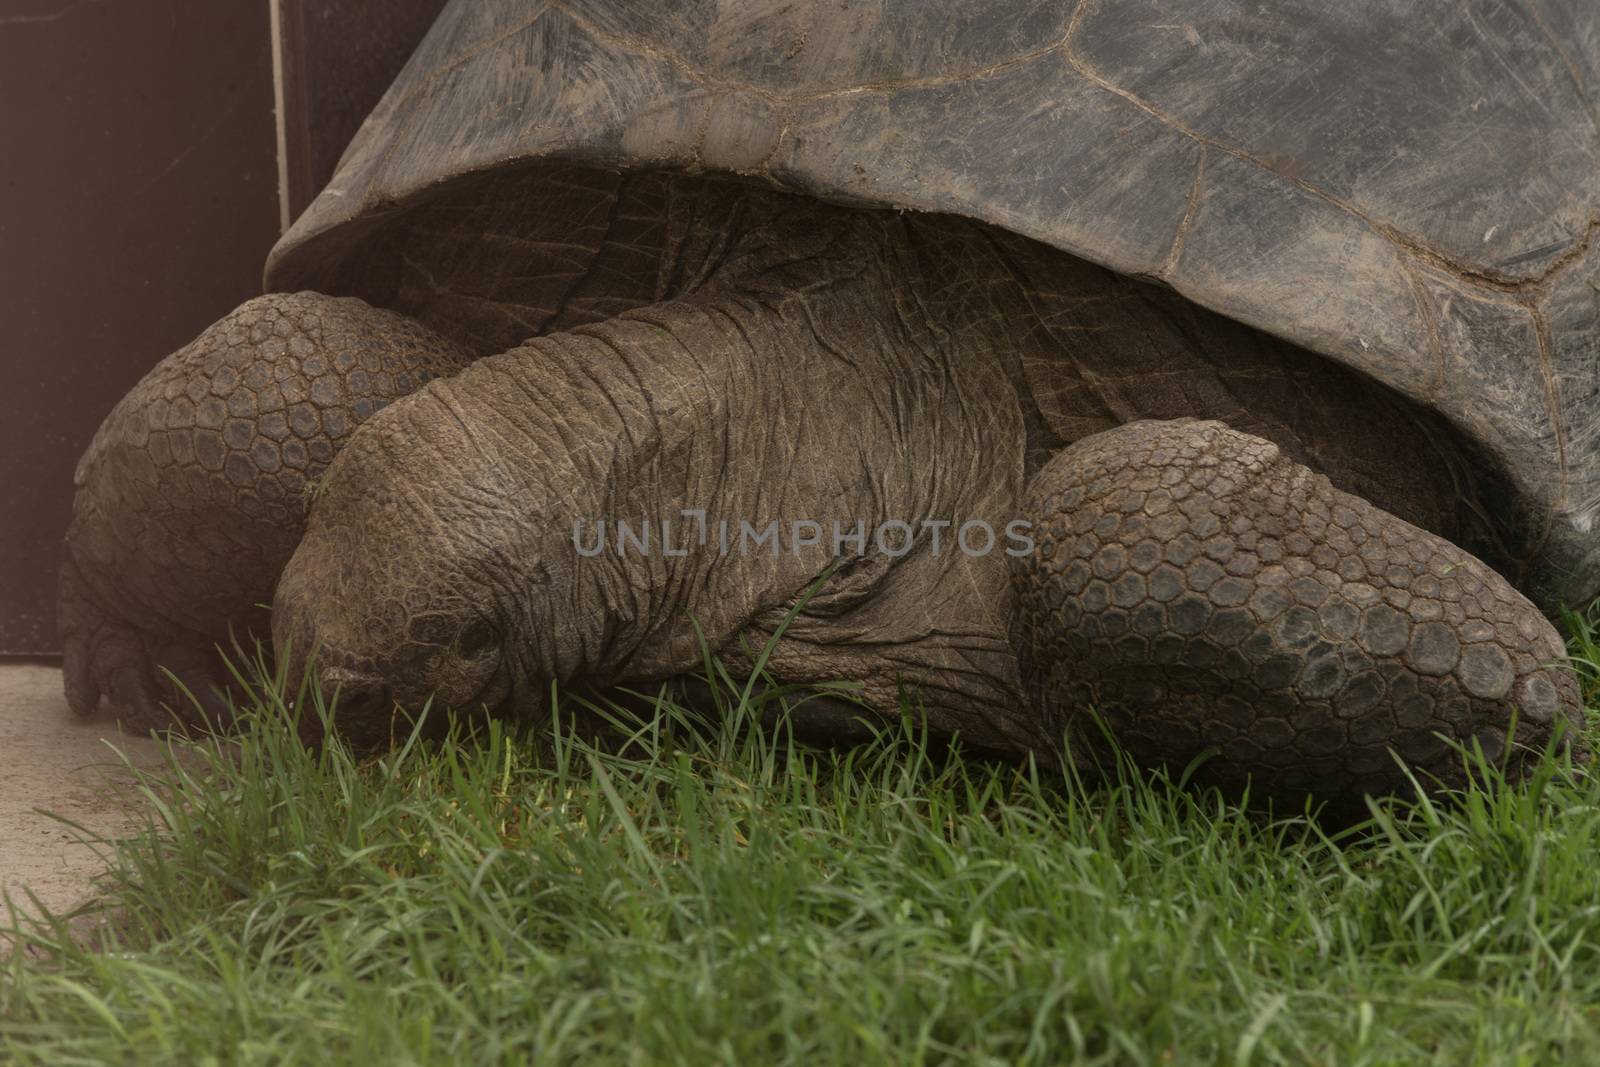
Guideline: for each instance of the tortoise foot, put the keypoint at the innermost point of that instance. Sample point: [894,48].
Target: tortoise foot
[1204,594]
[151,675]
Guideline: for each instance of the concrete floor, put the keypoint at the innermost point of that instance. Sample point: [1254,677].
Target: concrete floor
[54,761]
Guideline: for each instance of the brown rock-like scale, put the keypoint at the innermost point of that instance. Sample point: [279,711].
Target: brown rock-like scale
[1201,591]
[193,493]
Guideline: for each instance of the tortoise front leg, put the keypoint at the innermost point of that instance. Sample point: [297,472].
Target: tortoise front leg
[193,493]
[1201,591]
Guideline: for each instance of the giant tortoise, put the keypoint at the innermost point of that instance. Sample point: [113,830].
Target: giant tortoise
[1222,377]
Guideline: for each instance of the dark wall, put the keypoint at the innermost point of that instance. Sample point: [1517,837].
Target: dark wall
[138,196]
[138,199]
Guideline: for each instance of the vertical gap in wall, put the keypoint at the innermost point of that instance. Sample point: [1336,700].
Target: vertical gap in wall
[279,94]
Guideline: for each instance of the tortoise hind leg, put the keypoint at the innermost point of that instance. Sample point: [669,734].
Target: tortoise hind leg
[193,493]
[1201,591]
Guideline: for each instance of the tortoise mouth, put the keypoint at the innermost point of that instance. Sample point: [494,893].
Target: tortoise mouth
[369,704]
[359,699]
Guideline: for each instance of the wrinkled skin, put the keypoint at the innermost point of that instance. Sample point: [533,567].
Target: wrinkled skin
[794,362]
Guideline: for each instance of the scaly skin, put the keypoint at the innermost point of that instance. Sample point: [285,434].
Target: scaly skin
[193,493]
[811,363]
[834,372]
[1201,591]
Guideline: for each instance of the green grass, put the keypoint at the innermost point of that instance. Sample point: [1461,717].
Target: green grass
[718,894]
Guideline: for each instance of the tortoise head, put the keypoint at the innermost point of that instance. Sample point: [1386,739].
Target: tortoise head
[388,601]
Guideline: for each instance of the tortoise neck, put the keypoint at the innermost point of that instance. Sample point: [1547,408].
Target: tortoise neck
[692,467]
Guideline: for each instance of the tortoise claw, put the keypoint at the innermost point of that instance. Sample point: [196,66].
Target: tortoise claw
[151,677]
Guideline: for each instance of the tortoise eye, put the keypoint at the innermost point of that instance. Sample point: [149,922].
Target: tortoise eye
[475,639]
[431,630]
